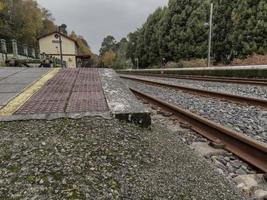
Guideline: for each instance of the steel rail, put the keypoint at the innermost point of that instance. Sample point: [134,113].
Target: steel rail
[226,80]
[260,82]
[231,97]
[246,148]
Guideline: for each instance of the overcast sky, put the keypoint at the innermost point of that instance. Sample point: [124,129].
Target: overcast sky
[94,19]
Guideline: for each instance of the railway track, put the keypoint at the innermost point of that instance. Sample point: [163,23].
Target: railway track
[246,81]
[231,97]
[260,82]
[246,148]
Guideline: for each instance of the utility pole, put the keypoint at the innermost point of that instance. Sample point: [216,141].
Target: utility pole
[210,34]
[60,48]
[63,26]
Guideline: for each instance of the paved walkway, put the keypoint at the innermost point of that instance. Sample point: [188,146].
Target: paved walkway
[14,80]
[49,94]
[69,91]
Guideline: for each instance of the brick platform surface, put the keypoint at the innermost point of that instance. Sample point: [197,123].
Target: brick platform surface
[70,91]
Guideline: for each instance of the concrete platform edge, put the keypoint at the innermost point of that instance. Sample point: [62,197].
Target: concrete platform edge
[53,116]
[121,101]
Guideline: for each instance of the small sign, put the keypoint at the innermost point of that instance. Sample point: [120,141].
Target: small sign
[55,41]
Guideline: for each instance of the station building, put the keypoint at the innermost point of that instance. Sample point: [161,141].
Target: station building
[50,45]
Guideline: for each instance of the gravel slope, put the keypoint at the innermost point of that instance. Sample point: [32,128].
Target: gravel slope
[231,88]
[94,158]
[243,119]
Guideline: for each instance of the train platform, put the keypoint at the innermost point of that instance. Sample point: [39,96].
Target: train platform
[60,139]
[31,93]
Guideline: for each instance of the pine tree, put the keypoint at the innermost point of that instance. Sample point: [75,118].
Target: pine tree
[188,34]
[151,37]
[121,60]
[132,46]
[250,27]
[223,28]
[177,32]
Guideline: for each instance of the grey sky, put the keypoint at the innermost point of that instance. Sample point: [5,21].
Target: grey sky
[94,19]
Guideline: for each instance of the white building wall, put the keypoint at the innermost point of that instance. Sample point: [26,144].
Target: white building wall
[50,45]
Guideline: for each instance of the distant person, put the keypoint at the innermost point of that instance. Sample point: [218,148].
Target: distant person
[46,63]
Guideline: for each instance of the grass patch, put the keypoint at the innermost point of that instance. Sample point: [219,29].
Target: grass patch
[14,168]
[30,179]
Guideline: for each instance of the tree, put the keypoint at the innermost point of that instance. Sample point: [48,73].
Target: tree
[151,37]
[132,46]
[163,35]
[250,27]
[2,5]
[48,22]
[223,28]
[5,20]
[187,34]
[109,43]
[121,60]
[108,58]
[25,20]
[177,32]
[83,47]
[26,25]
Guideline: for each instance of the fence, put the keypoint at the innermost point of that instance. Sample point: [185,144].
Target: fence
[16,50]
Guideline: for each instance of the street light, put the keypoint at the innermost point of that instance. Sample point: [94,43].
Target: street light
[210,33]
[137,62]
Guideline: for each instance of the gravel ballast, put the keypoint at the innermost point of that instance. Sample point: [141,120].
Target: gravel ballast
[244,119]
[94,158]
[253,91]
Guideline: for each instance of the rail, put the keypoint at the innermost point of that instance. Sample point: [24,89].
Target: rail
[231,97]
[246,148]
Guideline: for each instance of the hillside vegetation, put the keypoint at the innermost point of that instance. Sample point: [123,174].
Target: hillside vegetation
[26,20]
[179,32]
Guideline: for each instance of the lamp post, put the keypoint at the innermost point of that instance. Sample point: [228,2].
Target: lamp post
[210,33]
[137,62]
[63,26]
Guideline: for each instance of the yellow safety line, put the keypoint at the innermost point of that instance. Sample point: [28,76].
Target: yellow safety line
[26,94]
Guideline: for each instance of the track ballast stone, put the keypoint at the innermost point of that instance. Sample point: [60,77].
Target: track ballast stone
[253,91]
[241,118]
[94,158]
